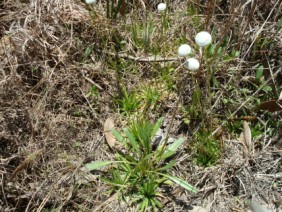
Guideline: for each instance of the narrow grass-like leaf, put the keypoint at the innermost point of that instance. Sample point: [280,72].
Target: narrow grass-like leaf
[113,183]
[180,182]
[176,144]
[167,154]
[167,166]
[97,164]
[144,204]
[132,140]
[118,136]
[259,73]
[157,126]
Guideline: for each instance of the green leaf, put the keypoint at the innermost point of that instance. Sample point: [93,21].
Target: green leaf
[237,53]
[157,126]
[215,82]
[176,144]
[132,140]
[97,164]
[259,73]
[267,88]
[167,154]
[88,50]
[181,183]
[118,136]
[211,49]
[114,183]
[169,165]
[280,23]
[144,204]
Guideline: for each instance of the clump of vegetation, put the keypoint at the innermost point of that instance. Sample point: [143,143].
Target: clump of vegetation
[211,69]
[140,170]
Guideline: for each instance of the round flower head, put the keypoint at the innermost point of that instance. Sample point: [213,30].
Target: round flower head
[192,64]
[161,7]
[184,50]
[203,38]
[90,1]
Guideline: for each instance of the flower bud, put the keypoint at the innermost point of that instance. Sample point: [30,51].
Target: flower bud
[184,50]
[203,39]
[161,7]
[192,64]
[90,1]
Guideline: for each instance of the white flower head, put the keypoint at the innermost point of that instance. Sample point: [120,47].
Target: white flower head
[90,1]
[203,39]
[161,7]
[192,64]
[184,50]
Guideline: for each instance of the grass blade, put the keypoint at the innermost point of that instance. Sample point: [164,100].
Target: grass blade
[176,144]
[97,164]
[157,126]
[180,182]
[131,140]
[118,136]
[167,166]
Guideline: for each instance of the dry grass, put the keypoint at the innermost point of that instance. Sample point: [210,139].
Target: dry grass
[50,127]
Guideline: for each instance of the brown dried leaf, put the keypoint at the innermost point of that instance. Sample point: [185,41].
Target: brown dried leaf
[108,125]
[110,138]
[122,9]
[271,106]
[247,135]
[242,138]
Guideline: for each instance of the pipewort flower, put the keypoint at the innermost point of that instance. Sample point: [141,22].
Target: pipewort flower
[192,64]
[184,50]
[203,39]
[90,1]
[161,7]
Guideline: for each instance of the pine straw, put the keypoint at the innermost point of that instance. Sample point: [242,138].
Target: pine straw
[50,127]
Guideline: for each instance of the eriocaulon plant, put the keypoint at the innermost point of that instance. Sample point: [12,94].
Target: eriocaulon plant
[138,173]
[202,39]
[207,148]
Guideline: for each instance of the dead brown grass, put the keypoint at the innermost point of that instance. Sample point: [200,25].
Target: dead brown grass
[50,128]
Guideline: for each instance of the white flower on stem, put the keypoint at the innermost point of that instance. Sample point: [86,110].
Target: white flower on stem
[184,50]
[90,1]
[203,39]
[161,7]
[192,64]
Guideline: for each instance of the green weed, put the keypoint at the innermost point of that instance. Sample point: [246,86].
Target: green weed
[207,149]
[138,174]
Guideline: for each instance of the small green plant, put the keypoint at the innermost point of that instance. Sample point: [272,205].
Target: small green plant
[128,102]
[138,173]
[87,52]
[93,92]
[151,96]
[207,149]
